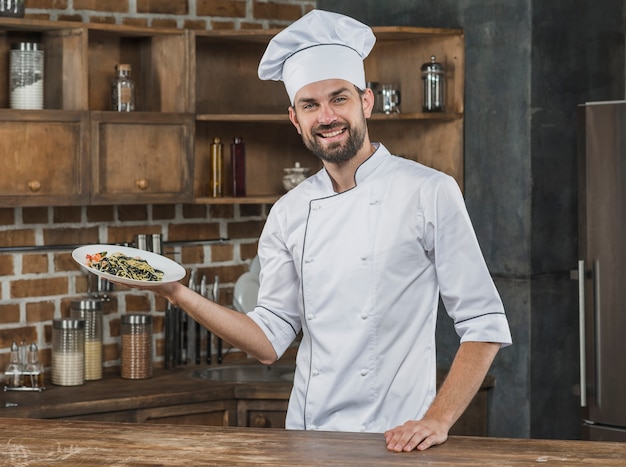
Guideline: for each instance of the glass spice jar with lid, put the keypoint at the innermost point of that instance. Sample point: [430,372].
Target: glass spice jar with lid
[136,360]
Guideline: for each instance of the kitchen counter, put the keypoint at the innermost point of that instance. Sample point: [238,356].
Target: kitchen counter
[27,442]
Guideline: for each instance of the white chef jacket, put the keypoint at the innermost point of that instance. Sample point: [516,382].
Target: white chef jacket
[360,273]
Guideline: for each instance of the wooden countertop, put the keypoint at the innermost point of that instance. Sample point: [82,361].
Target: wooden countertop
[112,393]
[28,442]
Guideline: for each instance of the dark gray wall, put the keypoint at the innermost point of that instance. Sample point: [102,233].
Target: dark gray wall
[529,63]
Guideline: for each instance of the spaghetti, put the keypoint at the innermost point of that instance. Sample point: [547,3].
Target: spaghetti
[121,265]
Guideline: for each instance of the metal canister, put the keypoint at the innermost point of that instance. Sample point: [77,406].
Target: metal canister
[136,361]
[90,310]
[68,351]
[433,76]
[26,76]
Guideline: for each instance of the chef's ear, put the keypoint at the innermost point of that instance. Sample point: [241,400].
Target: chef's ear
[294,119]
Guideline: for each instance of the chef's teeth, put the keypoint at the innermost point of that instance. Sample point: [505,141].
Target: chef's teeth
[330,135]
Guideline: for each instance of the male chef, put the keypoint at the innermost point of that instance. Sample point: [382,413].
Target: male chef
[356,257]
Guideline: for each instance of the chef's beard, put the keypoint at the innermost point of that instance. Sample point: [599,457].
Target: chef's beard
[337,152]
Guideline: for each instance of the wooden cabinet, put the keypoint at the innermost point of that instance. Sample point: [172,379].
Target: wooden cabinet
[213,413]
[193,86]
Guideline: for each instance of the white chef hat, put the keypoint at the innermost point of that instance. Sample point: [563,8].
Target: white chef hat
[320,45]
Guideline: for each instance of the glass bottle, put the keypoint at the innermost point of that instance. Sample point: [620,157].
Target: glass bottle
[123,89]
[216,162]
[238,157]
[13,373]
[33,374]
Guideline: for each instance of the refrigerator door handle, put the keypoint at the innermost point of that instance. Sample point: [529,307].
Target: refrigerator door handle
[581,327]
[595,272]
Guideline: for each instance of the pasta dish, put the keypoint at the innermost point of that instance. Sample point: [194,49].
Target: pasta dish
[121,265]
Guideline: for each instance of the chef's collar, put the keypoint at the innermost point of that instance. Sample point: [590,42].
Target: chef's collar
[370,164]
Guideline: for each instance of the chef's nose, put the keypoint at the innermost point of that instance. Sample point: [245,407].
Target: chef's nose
[326,115]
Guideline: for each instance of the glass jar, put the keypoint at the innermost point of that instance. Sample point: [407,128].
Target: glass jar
[26,76]
[12,8]
[90,310]
[136,361]
[68,351]
[123,89]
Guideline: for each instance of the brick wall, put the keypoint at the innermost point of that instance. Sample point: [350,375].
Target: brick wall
[38,281]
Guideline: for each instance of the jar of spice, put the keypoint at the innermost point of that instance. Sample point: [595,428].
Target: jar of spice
[123,89]
[26,76]
[68,351]
[90,310]
[136,361]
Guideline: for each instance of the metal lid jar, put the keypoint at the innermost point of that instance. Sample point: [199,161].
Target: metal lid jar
[68,351]
[26,69]
[136,360]
[434,79]
[90,310]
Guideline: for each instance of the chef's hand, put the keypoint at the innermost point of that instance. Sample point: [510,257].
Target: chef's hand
[416,434]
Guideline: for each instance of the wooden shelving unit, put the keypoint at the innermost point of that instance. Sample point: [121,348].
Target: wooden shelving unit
[191,87]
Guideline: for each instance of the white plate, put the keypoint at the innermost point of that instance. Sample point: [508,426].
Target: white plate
[246,292]
[172,271]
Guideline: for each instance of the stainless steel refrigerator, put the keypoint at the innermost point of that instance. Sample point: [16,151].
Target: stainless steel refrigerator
[602,269]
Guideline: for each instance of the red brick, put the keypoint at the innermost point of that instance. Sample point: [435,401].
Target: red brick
[163,211]
[225,8]
[137,303]
[132,212]
[245,229]
[194,211]
[221,211]
[66,214]
[39,311]
[7,216]
[127,233]
[168,7]
[64,262]
[222,25]
[276,11]
[247,26]
[221,253]
[47,4]
[26,288]
[248,250]
[135,21]
[74,18]
[9,313]
[23,334]
[100,214]
[37,215]
[35,263]
[6,265]
[204,231]
[193,254]
[164,23]
[101,19]
[21,237]
[71,236]
[112,6]
[195,24]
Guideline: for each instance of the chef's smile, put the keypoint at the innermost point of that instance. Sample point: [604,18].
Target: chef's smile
[331,133]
